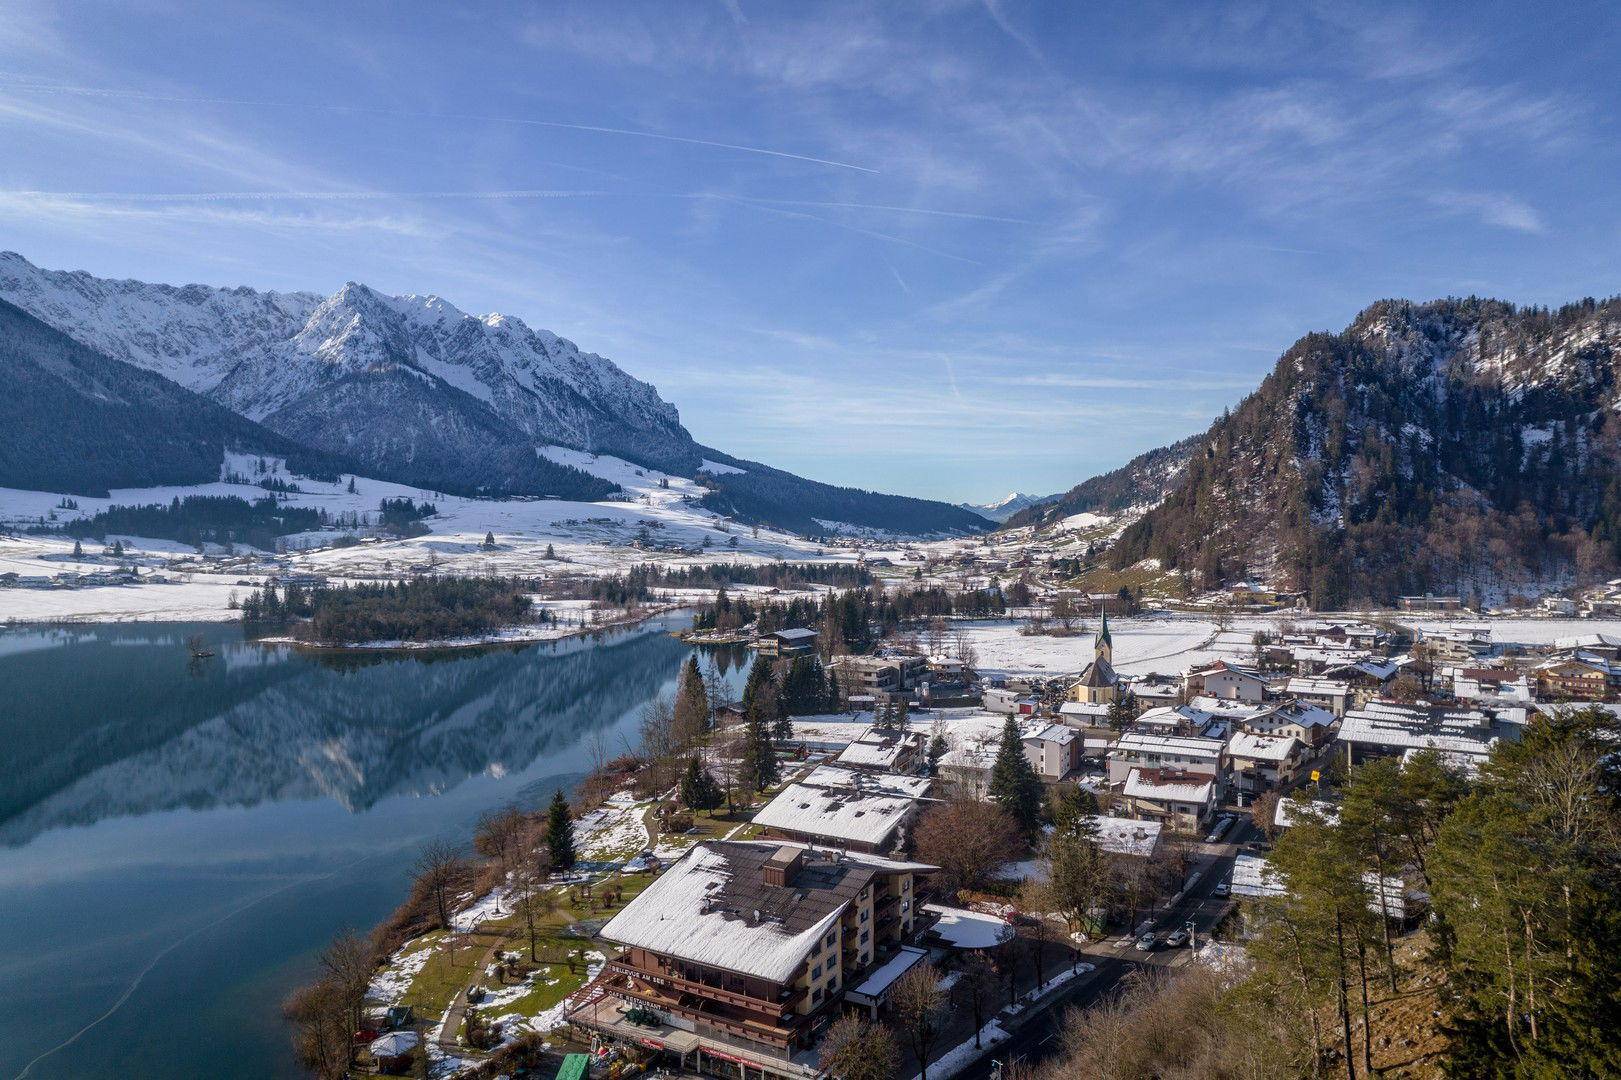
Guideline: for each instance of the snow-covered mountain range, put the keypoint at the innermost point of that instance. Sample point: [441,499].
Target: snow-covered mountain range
[410,388]
[1004,507]
[272,356]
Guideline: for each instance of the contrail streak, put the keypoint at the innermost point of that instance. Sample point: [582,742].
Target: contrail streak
[274,196]
[138,95]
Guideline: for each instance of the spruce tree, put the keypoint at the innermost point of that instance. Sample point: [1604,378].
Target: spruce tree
[759,764]
[560,832]
[937,751]
[1014,784]
[691,705]
[78,550]
[489,541]
[699,791]
[761,685]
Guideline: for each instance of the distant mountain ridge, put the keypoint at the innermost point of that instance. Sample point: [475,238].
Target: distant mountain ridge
[1005,507]
[1465,446]
[77,422]
[1140,483]
[412,389]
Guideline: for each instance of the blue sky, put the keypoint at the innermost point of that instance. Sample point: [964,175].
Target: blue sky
[948,248]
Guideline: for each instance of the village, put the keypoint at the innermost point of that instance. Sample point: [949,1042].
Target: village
[912,844]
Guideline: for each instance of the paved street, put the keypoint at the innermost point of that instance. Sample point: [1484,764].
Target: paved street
[1038,1036]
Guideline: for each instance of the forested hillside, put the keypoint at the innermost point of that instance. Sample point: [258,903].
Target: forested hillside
[761,494]
[1514,972]
[1141,482]
[1465,446]
[75,421]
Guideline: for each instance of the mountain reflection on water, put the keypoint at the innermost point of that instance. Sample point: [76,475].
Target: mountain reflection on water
[117,721]
[178,839]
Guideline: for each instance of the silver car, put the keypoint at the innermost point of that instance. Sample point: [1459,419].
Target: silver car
[1147,942]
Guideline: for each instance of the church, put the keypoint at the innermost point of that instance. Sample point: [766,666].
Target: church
[1099,684]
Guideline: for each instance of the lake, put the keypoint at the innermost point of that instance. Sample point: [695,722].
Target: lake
[178,838]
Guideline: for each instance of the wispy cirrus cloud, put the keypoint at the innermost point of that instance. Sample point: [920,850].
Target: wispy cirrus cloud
[1495,208]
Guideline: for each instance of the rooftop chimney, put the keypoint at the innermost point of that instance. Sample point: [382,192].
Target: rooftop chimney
[784,863]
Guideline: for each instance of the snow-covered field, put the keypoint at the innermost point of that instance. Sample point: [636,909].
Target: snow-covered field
[585,539]
[1164,644]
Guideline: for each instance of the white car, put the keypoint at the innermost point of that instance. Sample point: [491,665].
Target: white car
[1147,942]
[1222,889]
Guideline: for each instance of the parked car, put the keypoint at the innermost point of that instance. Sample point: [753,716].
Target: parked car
[1222,889]
[1221,827]
[1176,939]
[1147,942]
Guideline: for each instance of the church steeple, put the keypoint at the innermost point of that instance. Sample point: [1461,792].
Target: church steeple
[1103,647]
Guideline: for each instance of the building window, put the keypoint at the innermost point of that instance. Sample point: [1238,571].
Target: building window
[864,936]
[830,937]
[816,972]
[817,996]
[864,914]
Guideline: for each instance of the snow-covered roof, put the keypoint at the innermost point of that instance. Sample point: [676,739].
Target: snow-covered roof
[1275,748]
[683,913]
[879,749]
[1221,667]
[1091,710]
[1148,742]
[1061,734]
[712,906]
[1149,784]
[1127,836]
[885,975]
[1225,708]
[1310,685]
[1588,641]
[1289,811]
[964,929]
[850,814]
[1401,730]
[1376,669]
[832,776]
[1304,714]
[796,634]
[1254,876]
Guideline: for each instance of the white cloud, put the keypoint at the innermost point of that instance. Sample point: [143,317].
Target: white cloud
[1493,208]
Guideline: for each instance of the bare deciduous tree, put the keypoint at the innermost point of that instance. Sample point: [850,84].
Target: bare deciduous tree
[967,839]
[919,1007]
[348,963]
[857,1049]
[437,868]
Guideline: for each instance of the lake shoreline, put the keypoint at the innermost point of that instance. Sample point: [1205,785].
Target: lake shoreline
[476,641]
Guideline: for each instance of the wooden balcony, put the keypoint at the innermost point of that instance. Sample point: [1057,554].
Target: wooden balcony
[780,1007]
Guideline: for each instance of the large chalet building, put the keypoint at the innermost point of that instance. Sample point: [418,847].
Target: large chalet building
[737,957]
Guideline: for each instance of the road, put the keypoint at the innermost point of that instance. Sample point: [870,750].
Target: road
[1038,1037]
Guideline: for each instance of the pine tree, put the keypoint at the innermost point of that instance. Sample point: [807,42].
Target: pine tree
[699,791]
[691,706]
[937,751]
[560,832]
[759,688]
[78,550]
[1014,783]
[551,552]
[489,541]
[759,765]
